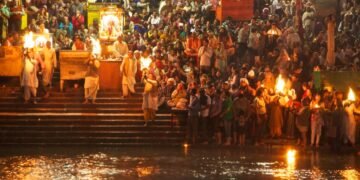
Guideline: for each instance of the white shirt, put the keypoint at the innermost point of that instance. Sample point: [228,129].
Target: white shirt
[120,49]
[205,55]
[205,112]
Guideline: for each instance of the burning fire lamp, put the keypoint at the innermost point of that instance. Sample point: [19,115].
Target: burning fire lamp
[280,85]
[351,98]
[273,32]
[145,63]
[351,95]
[28,41]
[291,156]
[96,47]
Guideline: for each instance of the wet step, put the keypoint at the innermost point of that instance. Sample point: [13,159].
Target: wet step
[70,116]
[77,93]
[157,126]
[82,109]
[93,122]
[56,109]
[76,98]
[157,144]
[90,140]
[42,104]
[91,134]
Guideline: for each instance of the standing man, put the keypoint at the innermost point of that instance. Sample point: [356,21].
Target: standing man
[150,98]
[50,63]
[330,55]
[29,79]
[4,19]
[77,20]
[120,48]
[128,68]
[205,54]
[91,85]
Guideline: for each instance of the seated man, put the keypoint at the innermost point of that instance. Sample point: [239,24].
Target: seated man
[78,44]
[165,91]
[178,97]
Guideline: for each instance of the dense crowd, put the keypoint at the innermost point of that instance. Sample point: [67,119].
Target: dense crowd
[225,73]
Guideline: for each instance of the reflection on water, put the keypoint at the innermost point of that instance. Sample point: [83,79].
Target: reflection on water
[183,162]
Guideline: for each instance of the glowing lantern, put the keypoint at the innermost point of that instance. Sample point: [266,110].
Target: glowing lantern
[274,31]
[280,85]
[145,63]
[351,95]
[96,47]
[28,40]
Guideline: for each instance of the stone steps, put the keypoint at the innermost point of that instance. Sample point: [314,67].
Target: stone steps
[62,120]
[89,140]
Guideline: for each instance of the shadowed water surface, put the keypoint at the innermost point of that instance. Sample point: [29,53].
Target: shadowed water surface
[175,163]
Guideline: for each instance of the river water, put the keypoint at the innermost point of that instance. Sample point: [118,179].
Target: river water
[175,163]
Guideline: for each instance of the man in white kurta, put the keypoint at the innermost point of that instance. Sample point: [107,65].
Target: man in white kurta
[50,63]
[150,98]
[29,78]
[128,68]
[91,85]
[350,123]
[120,48]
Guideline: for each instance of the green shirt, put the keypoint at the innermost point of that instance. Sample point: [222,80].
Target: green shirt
[227,109]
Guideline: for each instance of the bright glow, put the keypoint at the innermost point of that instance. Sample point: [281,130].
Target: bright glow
[145,63]
[145,171]
[280,85]
[274,31]
[351,95]
[28,40]
[290,156]
[186,145]
[40,41]
[316,106]
[96,47]
[350,174]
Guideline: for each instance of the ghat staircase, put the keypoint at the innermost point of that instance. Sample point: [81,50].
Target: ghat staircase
[62,119]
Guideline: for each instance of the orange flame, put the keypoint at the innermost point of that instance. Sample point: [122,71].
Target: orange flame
[280,85]
[351,95]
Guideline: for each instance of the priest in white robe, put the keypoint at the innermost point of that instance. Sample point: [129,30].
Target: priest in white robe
[128,69]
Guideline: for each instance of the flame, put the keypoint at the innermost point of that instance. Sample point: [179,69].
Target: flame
[351,95]
[290,156]
[145,63]
[28,40]
[316,106]
[280,85]
[96,47]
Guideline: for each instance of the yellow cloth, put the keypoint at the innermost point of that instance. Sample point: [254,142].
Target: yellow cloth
[24,19]
[148,87]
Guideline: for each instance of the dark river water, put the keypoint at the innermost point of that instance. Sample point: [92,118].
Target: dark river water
[175,163]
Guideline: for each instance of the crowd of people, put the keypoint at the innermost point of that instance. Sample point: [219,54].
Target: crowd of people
[225,73]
